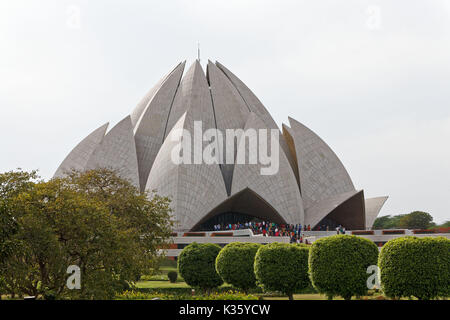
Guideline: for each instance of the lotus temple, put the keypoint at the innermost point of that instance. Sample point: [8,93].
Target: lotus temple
[310,187]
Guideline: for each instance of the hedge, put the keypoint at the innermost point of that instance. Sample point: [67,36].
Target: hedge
[234,264]
[338,265]
[415,267]
[173,276]
[196,264]
[282,267]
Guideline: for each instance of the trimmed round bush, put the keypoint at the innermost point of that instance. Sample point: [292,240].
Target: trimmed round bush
[338,265]
[173,276]
[196,264]
[234,264]
[415,267]
[282,267]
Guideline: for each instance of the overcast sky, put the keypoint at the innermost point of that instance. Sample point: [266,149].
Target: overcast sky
[372,78]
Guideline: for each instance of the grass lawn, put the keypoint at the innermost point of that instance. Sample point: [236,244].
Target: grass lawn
[309,296]
[160,275]
[155,284]
[164,284]
[312,296]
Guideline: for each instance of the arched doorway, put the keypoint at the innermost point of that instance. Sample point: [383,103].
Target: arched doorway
[244,206]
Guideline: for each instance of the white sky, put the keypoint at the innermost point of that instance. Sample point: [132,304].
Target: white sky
[370,77]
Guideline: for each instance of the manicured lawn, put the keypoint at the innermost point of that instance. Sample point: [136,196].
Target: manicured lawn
[163,284]
[161,274]
[153,284]
[307,296]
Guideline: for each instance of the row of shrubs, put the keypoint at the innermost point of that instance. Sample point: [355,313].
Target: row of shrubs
[335,266]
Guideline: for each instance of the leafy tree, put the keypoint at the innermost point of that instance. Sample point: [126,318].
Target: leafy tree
[418,267]
[196,265]
[413,220]
[11,184]
[172,275]
[416,220]
[338,265]
[387,222]
[282,267]
[235,264]
[94,220]
[381,222]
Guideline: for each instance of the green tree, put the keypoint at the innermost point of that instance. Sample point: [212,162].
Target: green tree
[235,263]
[413,220]
[419,267]
[282,267]
[173,276]
[94,220]
[338,265]
[387,222]
[381,222]
[11,184]
[196,265]
[416,220]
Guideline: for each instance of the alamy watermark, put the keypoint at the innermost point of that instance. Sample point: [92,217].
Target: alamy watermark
[374,20]
[74,280]
[373,281]
[73,20]
[235,146]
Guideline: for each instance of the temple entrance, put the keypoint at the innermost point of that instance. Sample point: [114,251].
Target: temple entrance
[327,223]
[242,207]
[227,218]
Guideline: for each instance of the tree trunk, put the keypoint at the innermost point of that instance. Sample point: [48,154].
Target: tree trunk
[291,296]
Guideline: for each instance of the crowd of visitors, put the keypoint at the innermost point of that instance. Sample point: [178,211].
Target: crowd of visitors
[271,229]
[340,230]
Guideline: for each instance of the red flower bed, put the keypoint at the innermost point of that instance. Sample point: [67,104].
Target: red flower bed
[420,231]
[363,232]
[442,230]
[393,231]
[222,234]
[194,234]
